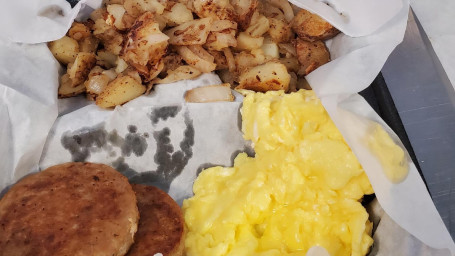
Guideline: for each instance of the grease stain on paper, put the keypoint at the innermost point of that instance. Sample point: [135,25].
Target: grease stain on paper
[170,162]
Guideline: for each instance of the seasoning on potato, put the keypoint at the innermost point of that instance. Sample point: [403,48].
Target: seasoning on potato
[158,42]
[303,187]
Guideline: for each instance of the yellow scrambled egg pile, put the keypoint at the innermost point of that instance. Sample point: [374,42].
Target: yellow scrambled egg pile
[303,187]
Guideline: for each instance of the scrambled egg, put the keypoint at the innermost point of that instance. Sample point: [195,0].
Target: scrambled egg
[302,189]
[391,156]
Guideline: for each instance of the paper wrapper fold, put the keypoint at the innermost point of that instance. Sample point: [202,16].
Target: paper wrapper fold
[161,140]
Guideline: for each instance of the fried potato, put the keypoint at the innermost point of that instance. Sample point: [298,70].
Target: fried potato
[287,49]
[228,77]
[120,91]
[81,67]
[136,8]
[245,60]
[292,64]
[244,10]
[220,25]
[115,16]
[145,44]
[259,27]
[270,49]
[311,27]
[154,71]
[66,88]
[229,59]
[79,31]
[271,11]
[106,59]
[311,55]
[89,44]
[181,73]
[197,57]
[111,38]
[284,6]
[178,14]
[265,77]
[247,42]
[280,31]
[293,82]
[220,40]
[98,79]
[211,93]
[163,41]
[64,49]
[99,14]
[217,9]
[191,32]
[120,65]
[220,60]
[171,62]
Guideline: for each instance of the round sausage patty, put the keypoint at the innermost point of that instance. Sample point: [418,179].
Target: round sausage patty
[69,209]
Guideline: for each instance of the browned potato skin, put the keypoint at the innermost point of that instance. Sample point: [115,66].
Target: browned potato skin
[280,31]
[89,44]
[119,91]
[81,67]
[311,27]
[137,52]
[66,88]
[64,49]
[270,76]
[311,55]
[79,31]
[244,18]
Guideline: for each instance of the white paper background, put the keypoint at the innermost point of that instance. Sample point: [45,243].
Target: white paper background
[29,84]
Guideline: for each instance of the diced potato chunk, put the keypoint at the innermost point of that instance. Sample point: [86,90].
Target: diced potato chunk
[259,28]
[311,55]
[280,31]
[89,44]
[265,77]
[178,14]
[271,50]
[78,31]
[145,45]
[64,49]
[66,88]
[120,91]
[81,67]
[191,32]
[311,27]
[247,42]
[198,58]
[106,59]
[115,17]
[137,7]
[245,60]
[220,40]
[111,38]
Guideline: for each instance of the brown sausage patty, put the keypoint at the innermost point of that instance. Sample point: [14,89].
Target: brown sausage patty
[161,227]
[69,209]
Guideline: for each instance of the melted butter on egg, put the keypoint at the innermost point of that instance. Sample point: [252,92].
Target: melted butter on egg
[302,189]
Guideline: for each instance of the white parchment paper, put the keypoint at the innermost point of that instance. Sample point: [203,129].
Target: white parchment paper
[158,139]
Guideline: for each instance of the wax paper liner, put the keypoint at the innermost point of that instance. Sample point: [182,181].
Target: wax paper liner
[174,140]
